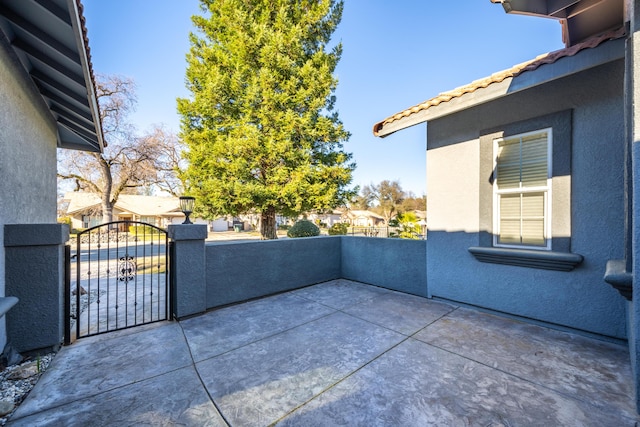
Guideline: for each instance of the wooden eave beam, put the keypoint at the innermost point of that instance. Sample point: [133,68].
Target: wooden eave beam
[43,79]
[557,8]
[53,9]
[62,111]
[37,33]
[49,61]
[582,6]
[60,99]
[90,136]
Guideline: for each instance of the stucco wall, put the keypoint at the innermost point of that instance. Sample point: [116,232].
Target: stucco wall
[27,157]
[458,220]
[396,264]
[238,271]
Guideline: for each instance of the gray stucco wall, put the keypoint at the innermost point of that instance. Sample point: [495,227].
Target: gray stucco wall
[27,157]
[396,264]
[188,269]
[633,147]
[458,219]
[238,271]
[35,274]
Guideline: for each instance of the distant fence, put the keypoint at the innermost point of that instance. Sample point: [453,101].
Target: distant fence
[378,232]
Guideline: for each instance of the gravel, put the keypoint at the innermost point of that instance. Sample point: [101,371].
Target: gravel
[17,381]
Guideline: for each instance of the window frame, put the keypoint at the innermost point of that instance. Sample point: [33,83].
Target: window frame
[546,189]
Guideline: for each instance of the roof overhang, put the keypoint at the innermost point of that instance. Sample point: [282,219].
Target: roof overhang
[546,68]
[580,19]
[48,38]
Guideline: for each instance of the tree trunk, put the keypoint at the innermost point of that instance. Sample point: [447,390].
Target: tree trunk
[107,203]
[107,210]
[268,224]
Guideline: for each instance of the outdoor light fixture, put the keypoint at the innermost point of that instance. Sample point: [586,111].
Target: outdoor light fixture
[186,206]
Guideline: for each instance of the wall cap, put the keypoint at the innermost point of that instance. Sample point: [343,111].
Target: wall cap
[187,231]
[35,234]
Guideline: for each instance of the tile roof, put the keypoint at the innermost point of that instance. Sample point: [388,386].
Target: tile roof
[547,58]
[139,205]
[85,39]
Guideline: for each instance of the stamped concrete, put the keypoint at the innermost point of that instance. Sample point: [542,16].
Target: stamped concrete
[229,328]
[338,353]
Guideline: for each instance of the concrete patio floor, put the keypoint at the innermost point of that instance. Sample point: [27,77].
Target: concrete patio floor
[337,353]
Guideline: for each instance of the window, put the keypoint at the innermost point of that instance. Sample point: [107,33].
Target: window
[531,183]
[89,221]
[522,187]
[148,220]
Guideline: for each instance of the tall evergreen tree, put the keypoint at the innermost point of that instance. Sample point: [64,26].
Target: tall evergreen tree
[260,125]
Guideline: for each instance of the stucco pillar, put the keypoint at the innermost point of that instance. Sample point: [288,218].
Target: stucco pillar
[632,89]
[34,272]
[189,290]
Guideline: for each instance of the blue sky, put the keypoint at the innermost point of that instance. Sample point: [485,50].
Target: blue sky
[397,53]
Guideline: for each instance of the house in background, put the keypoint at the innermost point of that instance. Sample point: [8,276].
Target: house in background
[530,172]
[47,101]
[325,218]
[361,218]
[84,209]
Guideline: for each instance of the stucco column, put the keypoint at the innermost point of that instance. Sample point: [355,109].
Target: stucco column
[189,290]
[632,89]
[34,272]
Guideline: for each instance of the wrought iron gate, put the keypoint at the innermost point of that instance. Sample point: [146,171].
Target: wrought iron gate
[118,278]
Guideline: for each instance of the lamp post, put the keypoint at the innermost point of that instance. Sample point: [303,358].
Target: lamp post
[186,206]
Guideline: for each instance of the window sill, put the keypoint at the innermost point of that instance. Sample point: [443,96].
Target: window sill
[547,260]
[617,276]
[6,303]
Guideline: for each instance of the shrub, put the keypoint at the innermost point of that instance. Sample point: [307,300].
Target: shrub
[65,220]
[339,228]
[303,228]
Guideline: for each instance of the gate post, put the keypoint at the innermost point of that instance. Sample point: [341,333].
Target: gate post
[34,255]
[189,287]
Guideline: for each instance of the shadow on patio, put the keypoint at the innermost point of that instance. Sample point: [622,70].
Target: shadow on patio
[337,353]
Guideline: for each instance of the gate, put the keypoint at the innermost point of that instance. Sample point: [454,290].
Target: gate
[118,278]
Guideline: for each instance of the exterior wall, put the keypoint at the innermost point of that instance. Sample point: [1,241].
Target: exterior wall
[222,273]
[188,269]
[238,271]
[593,224]
[35,275]
[396,264]
[27,157]
[633,177]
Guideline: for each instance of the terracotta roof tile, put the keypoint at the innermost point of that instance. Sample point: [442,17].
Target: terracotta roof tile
[547,58]
[85,36]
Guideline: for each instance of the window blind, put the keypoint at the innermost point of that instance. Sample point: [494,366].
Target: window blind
[522,172]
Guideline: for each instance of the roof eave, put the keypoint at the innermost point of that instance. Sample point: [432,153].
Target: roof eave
[47,41]
[565,66]
[83,49]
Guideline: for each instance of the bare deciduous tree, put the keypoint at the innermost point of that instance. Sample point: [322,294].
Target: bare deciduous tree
[128,162]
[385,198]
[169,161]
